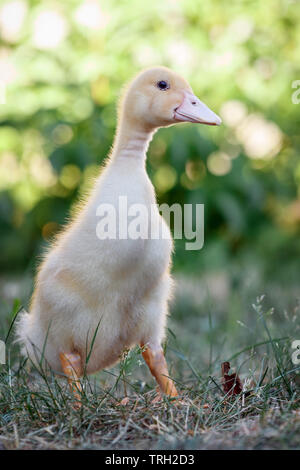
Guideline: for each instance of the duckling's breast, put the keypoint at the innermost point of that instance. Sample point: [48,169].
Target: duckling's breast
[141,238]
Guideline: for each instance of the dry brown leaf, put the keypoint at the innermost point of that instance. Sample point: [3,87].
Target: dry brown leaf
[232,384]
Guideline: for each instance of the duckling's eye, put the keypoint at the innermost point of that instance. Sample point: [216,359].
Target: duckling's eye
[162,85]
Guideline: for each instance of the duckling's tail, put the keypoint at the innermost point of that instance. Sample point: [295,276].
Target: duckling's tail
[27,336]
[35,343]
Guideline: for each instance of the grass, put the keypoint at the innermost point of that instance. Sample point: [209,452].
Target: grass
[204,331]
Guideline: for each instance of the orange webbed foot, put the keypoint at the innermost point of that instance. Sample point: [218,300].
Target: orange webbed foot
[71,364]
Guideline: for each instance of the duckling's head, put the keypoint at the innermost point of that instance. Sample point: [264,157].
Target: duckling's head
[158,97]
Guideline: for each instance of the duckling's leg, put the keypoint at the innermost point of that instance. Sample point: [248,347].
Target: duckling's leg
[72,367]
[155,360]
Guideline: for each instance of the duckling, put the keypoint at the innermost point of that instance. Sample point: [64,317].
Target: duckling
[97,296]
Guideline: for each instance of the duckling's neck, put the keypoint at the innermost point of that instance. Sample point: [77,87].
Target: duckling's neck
[132,141]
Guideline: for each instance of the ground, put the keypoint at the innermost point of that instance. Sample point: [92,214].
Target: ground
[212,321]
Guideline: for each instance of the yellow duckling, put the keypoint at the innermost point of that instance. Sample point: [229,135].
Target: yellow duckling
[113,292]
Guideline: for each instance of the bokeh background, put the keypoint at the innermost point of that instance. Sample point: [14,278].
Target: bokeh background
[62,68]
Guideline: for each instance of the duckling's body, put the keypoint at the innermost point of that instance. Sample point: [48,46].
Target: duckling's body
[111,293]
[122,285]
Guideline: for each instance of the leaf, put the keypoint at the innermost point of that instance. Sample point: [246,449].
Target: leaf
[232,384]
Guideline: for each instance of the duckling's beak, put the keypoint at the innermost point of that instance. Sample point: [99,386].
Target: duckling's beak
[193,110]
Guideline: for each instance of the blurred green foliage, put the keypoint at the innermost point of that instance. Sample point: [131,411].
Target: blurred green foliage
[62,67]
